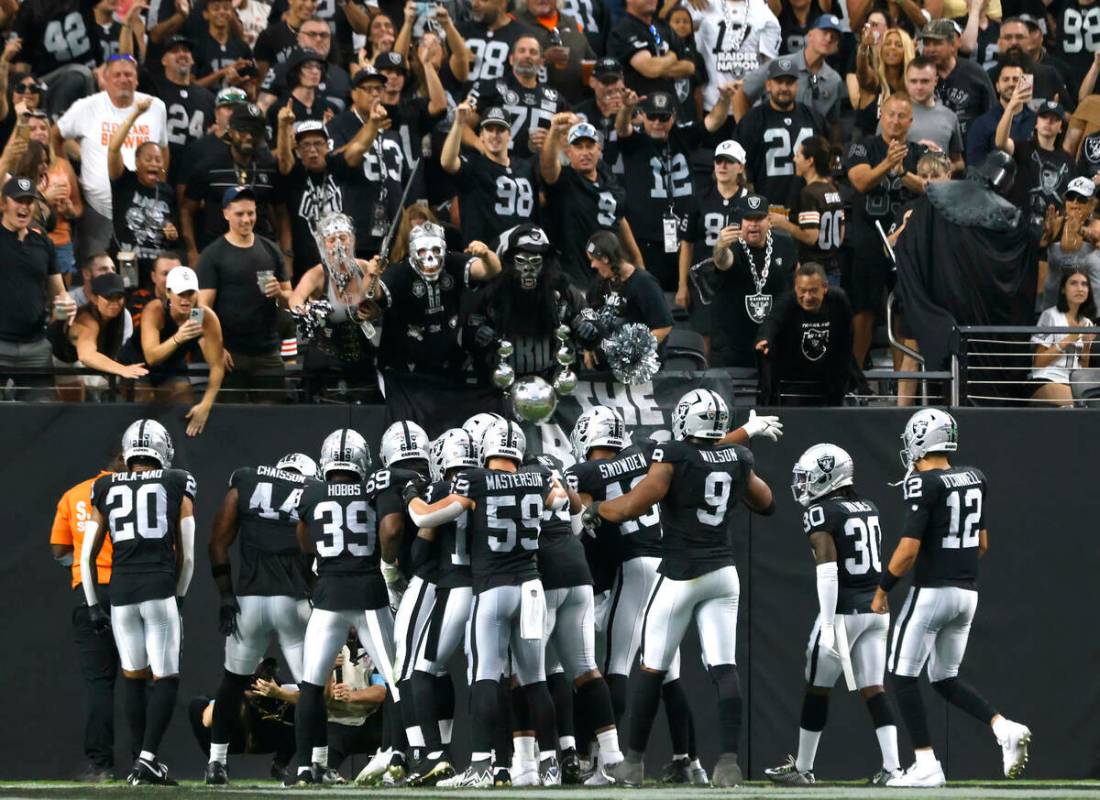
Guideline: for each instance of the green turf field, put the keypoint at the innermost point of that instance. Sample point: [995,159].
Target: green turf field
[1016,790]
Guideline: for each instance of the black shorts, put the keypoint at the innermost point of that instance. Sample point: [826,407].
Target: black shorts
[867,279]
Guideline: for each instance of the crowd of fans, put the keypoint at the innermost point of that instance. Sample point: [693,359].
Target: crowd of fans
[401,186]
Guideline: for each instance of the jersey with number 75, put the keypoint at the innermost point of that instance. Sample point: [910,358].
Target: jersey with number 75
[945,510]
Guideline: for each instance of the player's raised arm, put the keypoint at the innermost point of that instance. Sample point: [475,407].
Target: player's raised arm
[649,491]
[758,425]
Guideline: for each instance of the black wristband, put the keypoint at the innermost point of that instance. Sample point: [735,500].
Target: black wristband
[888,580]
[217,570]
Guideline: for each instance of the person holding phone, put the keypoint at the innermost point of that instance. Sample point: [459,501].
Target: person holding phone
[178,330]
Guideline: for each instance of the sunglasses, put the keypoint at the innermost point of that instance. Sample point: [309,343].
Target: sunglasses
[658,117]
[26,88]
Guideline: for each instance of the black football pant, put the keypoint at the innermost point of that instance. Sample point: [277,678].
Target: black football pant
[98,661]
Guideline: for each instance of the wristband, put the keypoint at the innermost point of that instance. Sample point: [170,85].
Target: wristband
[217,570]
[888,580]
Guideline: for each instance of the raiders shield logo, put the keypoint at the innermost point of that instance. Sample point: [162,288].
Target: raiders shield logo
[826,464]
[1092,149]
[815,342]
[757,306]
[754,202]
[419,289]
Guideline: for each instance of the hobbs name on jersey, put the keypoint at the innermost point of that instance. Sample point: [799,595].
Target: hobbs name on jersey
[345,490]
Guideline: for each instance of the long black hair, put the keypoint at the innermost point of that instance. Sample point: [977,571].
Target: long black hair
[1088,308]
[606,245]
[538,318]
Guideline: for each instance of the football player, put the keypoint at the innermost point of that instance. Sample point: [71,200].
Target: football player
[148,512]
[337,523]
[261,508]
[846,537]
[697,481]
[504,517]
[944,536]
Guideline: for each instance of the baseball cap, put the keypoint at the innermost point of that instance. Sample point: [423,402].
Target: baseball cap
[390,60]
[182,279]
[367,74]
[495,116]
[582,130]
[731,150]
[939,29]
[179,39]
[230,95]
[237,193]
[827,22]
[782,68]
[659,103]
[1052,108]
[109,284]
[607,68]
[247,115]
[20,189]
[754,206]
[309,126]
[304,56]
[1083,187]
[1027,19]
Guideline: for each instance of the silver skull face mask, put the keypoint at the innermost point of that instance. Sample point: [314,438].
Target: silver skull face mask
[335,235]
[427,247]
[528,269]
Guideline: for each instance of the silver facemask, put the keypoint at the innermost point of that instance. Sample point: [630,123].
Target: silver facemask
[335,235]
[528,268]
[427,246]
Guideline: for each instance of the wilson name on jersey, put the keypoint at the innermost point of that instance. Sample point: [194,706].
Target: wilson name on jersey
[271,562]
[504,527]
[695,514]
[142,513]
[451,539]
[857,535]
[945,509]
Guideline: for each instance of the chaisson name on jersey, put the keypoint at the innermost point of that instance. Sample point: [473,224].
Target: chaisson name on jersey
[272,472]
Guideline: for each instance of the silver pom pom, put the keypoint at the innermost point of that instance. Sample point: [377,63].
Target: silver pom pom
[533,399]
[504,376]
[563,333]
[631,353]
[565,382]
[566,357]
[505,349]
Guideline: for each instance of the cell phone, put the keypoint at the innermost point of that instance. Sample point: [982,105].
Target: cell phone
[423,9]
[248,70]
[196,315]
[1027,82]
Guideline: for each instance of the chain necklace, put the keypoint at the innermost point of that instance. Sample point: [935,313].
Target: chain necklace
[738,31]
[759,278]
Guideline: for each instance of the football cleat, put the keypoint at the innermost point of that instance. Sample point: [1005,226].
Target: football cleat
[570,767]
[699,775]
[476,776]
[431,772]
[525,774]
[1014,746]
[150,773]
[502,777]
[371,774]
[678,770]
[883,776]
[396,771]
[919,776]
[550,772]
[628,772]
[789,774]
[216,774]
[329,776]
[727,772]
[307,777]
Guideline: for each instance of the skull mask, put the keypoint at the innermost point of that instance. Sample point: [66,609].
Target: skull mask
[335,235]
[528,269]
[528,245]
[427,247]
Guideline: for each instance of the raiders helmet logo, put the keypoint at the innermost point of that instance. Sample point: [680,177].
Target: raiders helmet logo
[24,184]
[826,464]
[785,64]
[920,428]
[754,202]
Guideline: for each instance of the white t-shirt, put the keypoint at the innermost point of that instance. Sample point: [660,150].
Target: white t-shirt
[1060,368]
[747,29]
[91,120]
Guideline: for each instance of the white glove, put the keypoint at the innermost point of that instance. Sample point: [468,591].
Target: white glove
[760,425]
[827,639]
[395,583]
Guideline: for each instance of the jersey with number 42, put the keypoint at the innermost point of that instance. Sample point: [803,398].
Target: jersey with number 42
[142,510]
[945,510]
[706,483]
[853,524]
[267,512]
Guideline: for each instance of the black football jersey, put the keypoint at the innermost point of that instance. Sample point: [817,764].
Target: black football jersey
[528,108]
[142,510]
[494,198]
[853,524]
[608,478]
[945,510]
[695,514]
[190,111]
[504,527]
[344,530]
[491,49]
[819,206]
[1077,37]
[576,208]
[267,518]
[561,557]
[883,203]
[657,178]
[453,565]
[388,485]
[771,138]
[705,221]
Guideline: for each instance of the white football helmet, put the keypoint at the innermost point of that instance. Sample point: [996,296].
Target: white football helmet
[503,439]
[478,424]
[403,441]
[598,427]
[928,431]
[300,463]
[456,450]
[427,248]
[822,469]
[345,450]
[147,438]
[701,413]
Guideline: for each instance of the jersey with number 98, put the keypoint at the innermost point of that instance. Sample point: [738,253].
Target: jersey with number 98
[267,515]
[504,528]
[706,483]
[945,509]
[142,513]
[853,524]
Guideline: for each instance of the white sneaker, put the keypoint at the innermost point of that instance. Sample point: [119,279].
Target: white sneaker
[479,777]
[525,774]
[1014,748]
[549,772]
[920,775]
[599,776]
[376,768]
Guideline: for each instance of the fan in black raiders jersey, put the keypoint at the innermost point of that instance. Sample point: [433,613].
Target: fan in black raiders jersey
[816,220]
[504,511]
[220,54]
[526,305]
[594,18]
[490,35]
[275,44]
[846,538]
[603,107]
[582,197]
[698,482]
[54,35]
[335,85]
[943,536]
[412,117]
[528,101]
[260,510]
[337,523]
[148,513]
[496,190]
[657,177]
[608,467]
[772,133]
[571,635]
[421,297]
[1077,33]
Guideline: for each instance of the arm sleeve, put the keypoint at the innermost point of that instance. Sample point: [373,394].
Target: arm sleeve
[187,545]
[828,587]
[87,563]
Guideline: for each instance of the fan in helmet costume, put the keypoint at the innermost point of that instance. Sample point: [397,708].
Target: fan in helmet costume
[524,305]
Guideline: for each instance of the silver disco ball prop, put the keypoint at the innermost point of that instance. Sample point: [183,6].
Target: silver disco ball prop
[533,399]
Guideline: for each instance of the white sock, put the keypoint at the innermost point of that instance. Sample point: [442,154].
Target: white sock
[679,756]
[219,752]
[609,746]
[477,757]
[888,744]
[445,728]
[432,756]
[524,747]
[567,742]
[415,736]
[807,749]
[925,757]
[150,757]
[546,756]
[695,764]
[320,756]
[1000,728]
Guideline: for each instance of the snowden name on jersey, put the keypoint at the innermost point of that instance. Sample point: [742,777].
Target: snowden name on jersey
[510,480]
[613,469]
[957,479]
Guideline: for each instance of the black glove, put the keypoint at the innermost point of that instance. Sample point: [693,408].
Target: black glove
[585,329]
[101,622]
[227,615]
[485,335]
[413,489]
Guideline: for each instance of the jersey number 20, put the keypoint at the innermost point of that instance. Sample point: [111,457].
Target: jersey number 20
[143,512]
